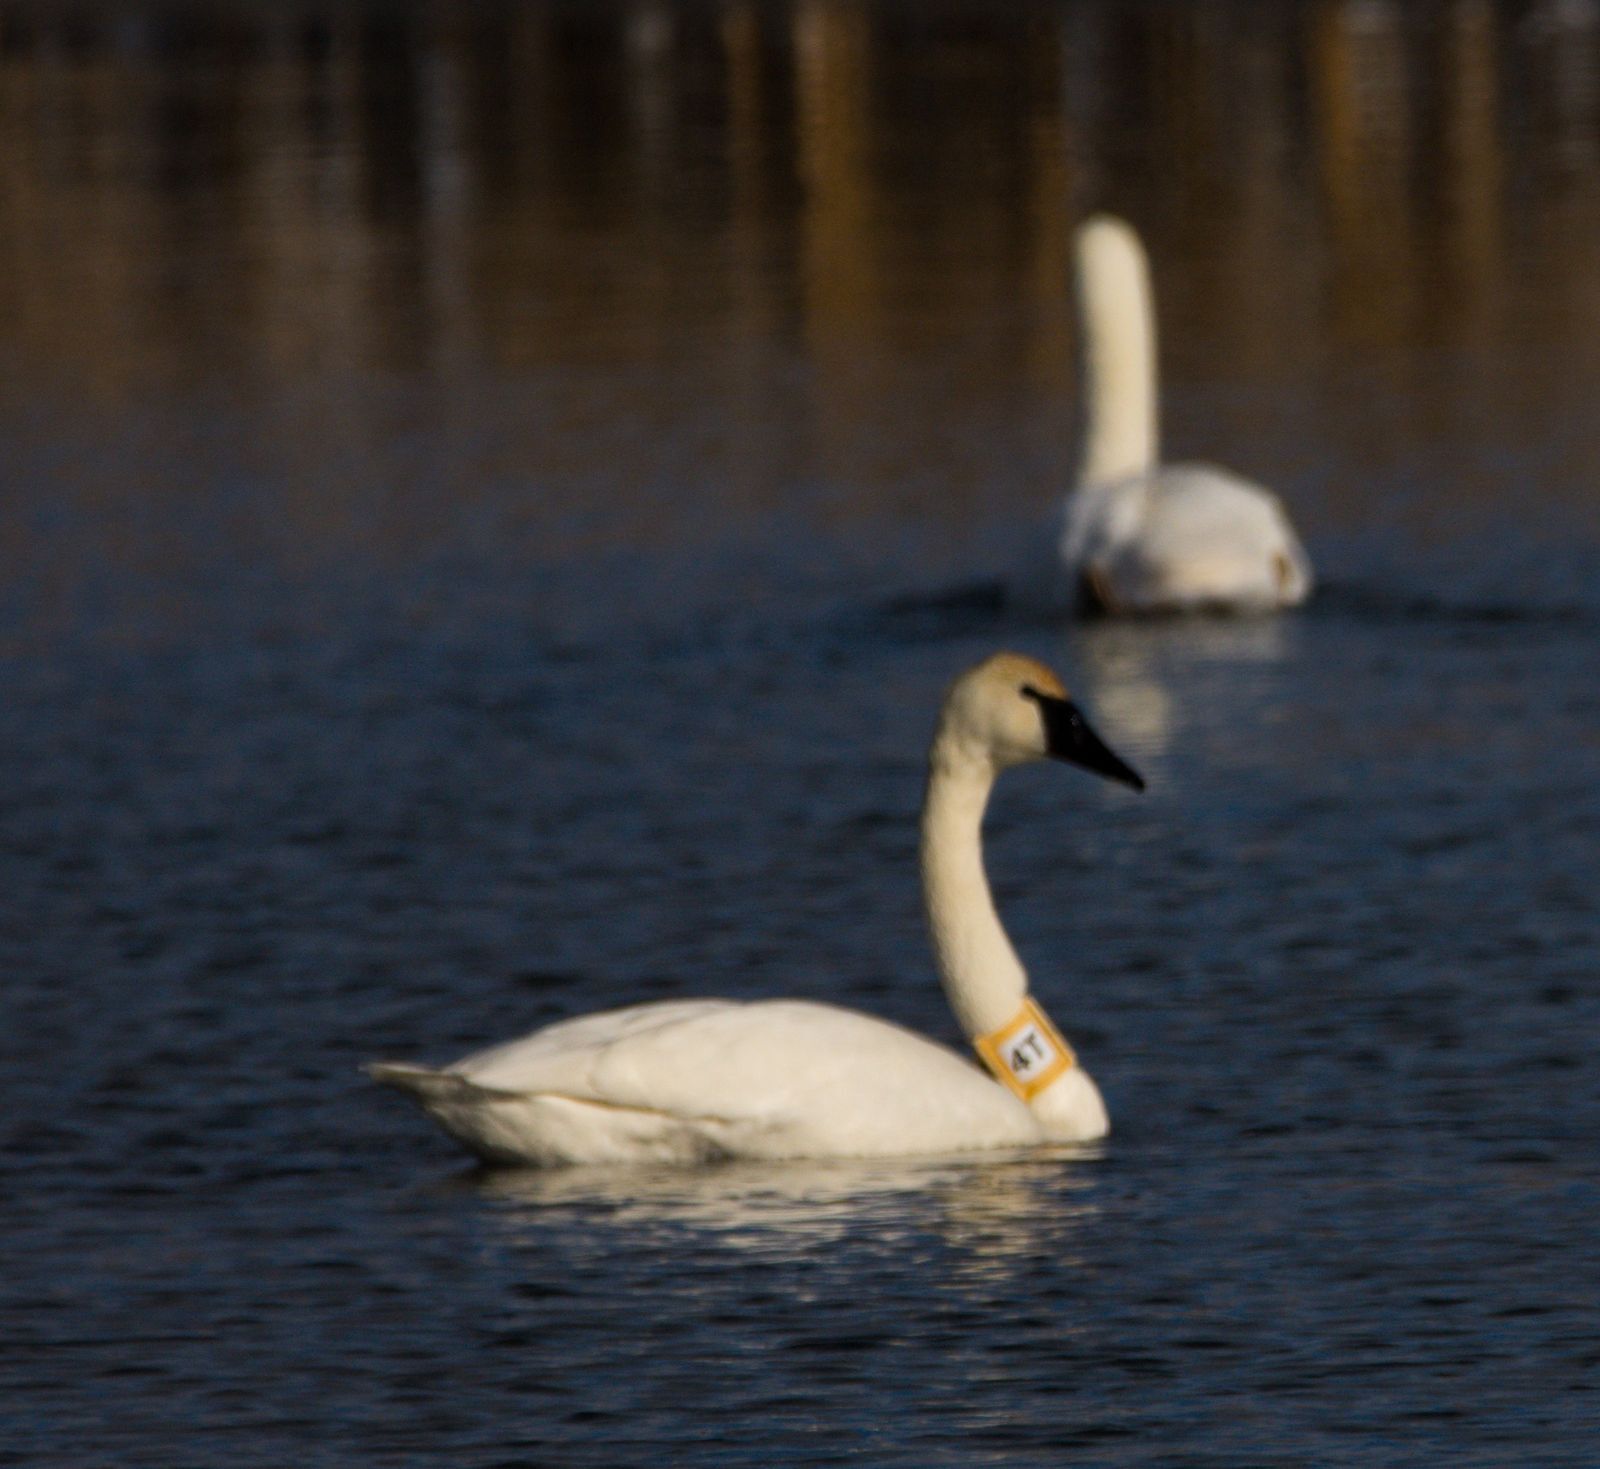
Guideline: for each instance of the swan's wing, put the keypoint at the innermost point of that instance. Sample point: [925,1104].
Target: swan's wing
[1199,500]
[558,1057]
[1196,511]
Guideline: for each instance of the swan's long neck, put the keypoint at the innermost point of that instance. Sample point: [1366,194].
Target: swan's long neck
[1119,353]
[982,976]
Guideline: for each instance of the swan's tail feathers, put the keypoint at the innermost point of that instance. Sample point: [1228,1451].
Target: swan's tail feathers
[428,1085]
[1119,351]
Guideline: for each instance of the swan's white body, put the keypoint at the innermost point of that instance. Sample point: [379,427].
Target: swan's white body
[692,1080]
[1140,536]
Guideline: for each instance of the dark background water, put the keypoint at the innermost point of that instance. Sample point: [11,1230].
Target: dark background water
[491,497]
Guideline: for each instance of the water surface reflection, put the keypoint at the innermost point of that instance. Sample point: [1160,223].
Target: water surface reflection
[993,1212]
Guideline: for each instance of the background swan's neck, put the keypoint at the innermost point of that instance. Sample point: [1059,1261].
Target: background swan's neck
[982,976]
[1119,353]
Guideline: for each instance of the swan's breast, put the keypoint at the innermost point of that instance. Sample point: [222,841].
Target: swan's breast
[1192,535]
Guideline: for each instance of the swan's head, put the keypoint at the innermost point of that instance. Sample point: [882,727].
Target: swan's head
[1107,245]
[1011,709]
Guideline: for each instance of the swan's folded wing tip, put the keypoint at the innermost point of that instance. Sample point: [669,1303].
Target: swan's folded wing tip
[427,1083]
[401,1075]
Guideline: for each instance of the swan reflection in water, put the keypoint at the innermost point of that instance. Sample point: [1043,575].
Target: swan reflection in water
[1141,674]
[993,1209]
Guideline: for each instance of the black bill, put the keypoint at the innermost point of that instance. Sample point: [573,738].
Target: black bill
[1067,736]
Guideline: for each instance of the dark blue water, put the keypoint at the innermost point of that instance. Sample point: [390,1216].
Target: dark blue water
[477,553]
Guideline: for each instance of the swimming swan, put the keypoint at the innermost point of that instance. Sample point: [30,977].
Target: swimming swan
[682,1081]
[1140,536]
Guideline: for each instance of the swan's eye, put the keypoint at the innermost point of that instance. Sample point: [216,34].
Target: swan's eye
[1059,715]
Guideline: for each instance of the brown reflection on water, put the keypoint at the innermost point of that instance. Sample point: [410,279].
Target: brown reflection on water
[824,235]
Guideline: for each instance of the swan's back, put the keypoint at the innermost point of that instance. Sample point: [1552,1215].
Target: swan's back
[685,1080]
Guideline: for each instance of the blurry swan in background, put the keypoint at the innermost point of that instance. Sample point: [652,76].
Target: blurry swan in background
[684,1081]
[1140,536]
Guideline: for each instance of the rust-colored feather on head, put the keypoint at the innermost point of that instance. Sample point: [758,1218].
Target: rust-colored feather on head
[1019,669]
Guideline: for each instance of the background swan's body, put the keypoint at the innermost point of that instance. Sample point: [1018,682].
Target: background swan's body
[1139,536]
[1183,537]
[689,1080]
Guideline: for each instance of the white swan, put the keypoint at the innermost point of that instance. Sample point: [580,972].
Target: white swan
[1140,536]
[691,1080]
